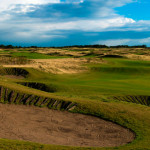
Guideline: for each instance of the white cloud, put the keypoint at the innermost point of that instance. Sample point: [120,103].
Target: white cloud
[27,5]
[145,40]
[114,42]
[85,25]
[37,29]
[103,19]
[33,34]
[94,25]
[74,1]
[7,5]
[118,3]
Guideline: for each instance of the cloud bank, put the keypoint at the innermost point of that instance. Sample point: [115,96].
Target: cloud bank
[41,21]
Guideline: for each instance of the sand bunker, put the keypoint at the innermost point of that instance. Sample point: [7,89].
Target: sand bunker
[47,126]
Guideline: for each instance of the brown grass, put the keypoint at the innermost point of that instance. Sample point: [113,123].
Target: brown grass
[6,60]
[60,52]
[60,66]
[137,57]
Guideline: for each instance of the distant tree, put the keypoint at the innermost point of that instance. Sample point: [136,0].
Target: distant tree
[33,47]
[119,46]
[79,46]
[2,46]
[9,46]
[139,46]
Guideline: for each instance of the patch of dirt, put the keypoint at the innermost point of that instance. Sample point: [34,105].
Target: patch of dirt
[47,126]
[19,66]
[14,77]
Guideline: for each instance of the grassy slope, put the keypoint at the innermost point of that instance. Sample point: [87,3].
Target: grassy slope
[118,76]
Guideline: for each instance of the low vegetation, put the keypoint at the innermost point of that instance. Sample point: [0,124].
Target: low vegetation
[112,87]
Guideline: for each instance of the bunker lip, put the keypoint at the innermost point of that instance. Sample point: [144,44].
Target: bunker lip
[14,72]
[14,77]
[46,126]
[39,86]
[137,99]
[112,56]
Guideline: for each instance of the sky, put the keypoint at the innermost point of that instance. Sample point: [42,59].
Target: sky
[74,22]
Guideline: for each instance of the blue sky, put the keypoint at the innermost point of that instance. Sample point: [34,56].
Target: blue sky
[74,22]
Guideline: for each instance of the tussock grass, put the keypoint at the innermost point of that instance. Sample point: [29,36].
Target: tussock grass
[7,60]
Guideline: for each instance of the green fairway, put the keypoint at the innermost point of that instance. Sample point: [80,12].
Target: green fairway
[115,77]
[30,55]
[94,92]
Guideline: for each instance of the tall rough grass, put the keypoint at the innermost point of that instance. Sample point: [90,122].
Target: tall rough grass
[6,60]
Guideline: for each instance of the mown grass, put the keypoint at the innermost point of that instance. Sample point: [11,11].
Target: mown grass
[91,91]
[32,55]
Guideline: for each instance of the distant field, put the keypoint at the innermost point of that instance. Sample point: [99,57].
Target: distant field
[112,84]
[35,55]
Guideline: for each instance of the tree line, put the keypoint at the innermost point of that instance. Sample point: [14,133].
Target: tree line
[79,46]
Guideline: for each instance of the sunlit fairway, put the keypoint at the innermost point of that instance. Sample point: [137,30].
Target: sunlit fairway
[114,89]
